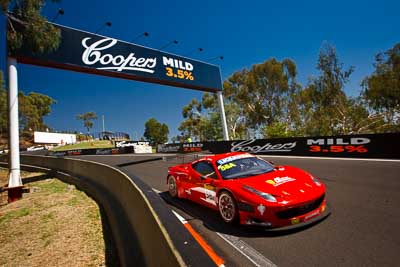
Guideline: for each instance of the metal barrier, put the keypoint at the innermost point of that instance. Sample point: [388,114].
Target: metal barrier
[138,233]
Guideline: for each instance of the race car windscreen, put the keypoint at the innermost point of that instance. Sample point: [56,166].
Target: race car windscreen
[242,166]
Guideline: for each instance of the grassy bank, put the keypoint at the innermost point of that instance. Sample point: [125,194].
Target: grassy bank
[53,225]
[86,145]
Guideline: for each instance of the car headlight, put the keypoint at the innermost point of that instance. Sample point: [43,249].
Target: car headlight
[266,196]
[315,180]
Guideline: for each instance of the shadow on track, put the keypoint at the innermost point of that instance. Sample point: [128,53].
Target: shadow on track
[138,162]
[212,220]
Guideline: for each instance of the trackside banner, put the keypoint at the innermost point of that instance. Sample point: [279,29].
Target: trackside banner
[91,53]
[356,146]
[91,151]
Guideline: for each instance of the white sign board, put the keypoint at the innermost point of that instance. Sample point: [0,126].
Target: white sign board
[138,149]
[54,138]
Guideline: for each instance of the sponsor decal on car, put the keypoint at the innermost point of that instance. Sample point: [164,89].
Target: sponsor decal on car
[209,187]
[261,209]
[210,196]
[280,180]
[295,221]
[226,166]
[233,158]
[315,213]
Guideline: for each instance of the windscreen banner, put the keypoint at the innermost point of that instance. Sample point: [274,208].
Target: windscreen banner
[353,146]
[92,53]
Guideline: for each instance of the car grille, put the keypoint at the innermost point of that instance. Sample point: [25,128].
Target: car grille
[300,210]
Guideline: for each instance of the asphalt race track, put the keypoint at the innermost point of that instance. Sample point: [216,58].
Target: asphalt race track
[363,229]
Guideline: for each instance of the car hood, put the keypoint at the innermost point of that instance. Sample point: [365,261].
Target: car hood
[285,182]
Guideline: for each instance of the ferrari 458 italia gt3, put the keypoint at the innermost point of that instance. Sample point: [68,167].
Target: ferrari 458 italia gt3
[247,189]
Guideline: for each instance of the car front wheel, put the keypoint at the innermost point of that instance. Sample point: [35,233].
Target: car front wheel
[227,207]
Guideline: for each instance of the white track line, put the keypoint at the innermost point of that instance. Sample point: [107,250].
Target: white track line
[245,249]
[157,191]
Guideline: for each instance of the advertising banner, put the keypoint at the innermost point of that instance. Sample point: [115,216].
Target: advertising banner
[131,143]
[91,53]
[91,151]
[356,146]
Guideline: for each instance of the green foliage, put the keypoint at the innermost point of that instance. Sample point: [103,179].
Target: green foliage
[33,107]
[323,101]
[27,29]
[381,90]
[87,119]
[201,120]
[277,129]
[191,127]
[255,98]
[156,132]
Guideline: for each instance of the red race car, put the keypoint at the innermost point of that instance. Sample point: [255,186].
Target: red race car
[247,189]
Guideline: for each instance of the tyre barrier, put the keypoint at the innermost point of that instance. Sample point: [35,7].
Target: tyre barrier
[141,236]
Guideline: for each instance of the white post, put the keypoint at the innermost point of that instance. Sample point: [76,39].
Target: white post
[14,174]
[103,125]
[223,118]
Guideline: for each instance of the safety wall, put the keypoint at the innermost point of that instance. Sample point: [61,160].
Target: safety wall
[353,146]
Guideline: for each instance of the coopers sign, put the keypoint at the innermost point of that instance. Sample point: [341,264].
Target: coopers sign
[86,52]
[357,146]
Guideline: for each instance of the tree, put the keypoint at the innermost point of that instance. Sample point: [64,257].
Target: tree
[263,96]
[253,99]
[381,90]
[322,98]
[156,132]
[27,28]
[191,126]
[87,119]
[33,107]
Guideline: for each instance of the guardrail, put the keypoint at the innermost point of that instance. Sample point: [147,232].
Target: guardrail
[138,233]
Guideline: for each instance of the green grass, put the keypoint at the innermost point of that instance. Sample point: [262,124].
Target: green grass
[52,186]
[86,145]
[14,215]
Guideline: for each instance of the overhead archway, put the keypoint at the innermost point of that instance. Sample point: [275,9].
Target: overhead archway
[96,54]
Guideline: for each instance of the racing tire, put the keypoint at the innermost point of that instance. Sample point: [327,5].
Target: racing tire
[227,207]
[172,188]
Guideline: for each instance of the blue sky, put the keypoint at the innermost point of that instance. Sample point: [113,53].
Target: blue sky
[244,32]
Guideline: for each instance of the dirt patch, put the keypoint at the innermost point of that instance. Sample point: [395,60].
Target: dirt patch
[53,225]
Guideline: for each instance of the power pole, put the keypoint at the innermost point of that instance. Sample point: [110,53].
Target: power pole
[104,129]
